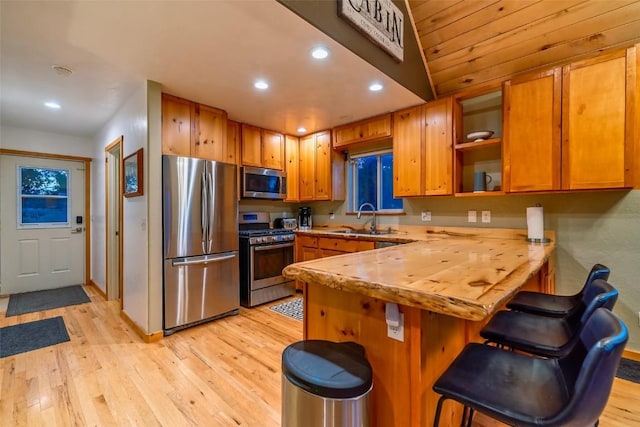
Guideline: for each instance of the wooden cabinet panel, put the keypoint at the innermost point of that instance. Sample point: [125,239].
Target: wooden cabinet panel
[251,145]
[407,152]
[345,245]
[231,151]
[438,151]
[211,133]
[292,168]
[362,131]
[177,121]
[593,123]
[307,167]
[272,150]
[323,172]
[531,151]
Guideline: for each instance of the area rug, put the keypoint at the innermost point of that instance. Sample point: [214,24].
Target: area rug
[30,302]
[291,308]
[29,336]
[629,370]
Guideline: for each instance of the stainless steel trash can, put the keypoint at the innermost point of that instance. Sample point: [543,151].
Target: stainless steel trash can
[325,384]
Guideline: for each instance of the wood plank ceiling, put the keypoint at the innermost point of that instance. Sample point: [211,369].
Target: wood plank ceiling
[473,44]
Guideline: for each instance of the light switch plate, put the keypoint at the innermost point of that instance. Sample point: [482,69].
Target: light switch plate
[472,216]
[426,216]
[486,216]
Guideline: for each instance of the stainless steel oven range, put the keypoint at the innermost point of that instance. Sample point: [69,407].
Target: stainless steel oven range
[264,252]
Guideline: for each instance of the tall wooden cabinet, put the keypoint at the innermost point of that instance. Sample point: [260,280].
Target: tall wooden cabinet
[321,169]
[423,150]
[211,133]
[262,148]
[292,168]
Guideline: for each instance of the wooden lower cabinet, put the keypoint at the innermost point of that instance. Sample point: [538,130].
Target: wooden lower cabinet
[403,372]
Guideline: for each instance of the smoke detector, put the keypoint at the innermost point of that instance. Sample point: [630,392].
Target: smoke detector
[62,71]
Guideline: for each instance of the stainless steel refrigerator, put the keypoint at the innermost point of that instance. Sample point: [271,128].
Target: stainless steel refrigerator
[200,234]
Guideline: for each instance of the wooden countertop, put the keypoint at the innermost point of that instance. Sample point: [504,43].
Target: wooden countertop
[462,272]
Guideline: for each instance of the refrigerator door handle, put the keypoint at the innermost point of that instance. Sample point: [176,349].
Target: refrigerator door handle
[204,211]
[202,260]
[210,210]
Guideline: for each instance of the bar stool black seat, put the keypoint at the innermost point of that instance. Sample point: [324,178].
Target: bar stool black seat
[525,390]
[548,336]
[555,305]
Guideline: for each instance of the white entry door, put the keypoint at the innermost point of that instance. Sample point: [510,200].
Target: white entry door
[42,240]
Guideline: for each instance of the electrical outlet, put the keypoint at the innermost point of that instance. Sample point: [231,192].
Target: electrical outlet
[486,216]
[332,215]
[426,216]
[397,332]
[472,216]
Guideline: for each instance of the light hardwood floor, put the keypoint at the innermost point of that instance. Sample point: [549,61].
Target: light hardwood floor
[223,373]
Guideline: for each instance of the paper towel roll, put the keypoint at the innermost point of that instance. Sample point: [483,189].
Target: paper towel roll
[535,223]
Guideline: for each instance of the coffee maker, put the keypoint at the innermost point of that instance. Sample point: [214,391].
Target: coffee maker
[304,218]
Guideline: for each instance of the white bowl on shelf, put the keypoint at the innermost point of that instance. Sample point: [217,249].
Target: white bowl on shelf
[480,135]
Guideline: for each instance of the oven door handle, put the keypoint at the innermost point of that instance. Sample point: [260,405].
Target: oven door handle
[270,247]
[202,260]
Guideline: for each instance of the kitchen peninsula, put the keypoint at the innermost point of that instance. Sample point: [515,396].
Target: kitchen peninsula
[447,283]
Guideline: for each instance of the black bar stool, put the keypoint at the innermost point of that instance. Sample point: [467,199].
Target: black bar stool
[525,390]
[548,336]
[555,305]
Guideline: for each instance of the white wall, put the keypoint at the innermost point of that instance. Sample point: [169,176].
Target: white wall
[15,138]
[130,121]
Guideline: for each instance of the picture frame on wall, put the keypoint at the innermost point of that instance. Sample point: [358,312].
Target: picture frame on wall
[132,175]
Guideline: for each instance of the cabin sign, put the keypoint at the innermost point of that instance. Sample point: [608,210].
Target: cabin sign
[380,20]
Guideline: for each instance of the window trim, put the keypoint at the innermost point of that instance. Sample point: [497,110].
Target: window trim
[351,193]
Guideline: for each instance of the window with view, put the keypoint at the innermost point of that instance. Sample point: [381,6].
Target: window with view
[370,177]
[43,197]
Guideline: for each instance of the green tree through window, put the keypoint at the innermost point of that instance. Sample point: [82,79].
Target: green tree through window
[43,197]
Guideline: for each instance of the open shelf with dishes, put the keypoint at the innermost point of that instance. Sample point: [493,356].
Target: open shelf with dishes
[478,144]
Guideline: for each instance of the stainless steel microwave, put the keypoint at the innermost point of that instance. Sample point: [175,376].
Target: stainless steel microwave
[262,183]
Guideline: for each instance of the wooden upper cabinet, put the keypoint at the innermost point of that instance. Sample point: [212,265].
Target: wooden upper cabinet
[322,169]
[362,131]
[251,145]
[531,139]
[232,148]
[423,150]
[272,150]
[262,148]
[292,168]
[211,133]
[193,130]
[597,134]
[178,117]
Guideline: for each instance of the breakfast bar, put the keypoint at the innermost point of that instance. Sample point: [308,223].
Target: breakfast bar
[447,284]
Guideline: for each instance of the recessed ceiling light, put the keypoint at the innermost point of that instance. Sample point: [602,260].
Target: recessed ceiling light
[375,87]
[319,52]
[52,105]
[302,129]
[261,84]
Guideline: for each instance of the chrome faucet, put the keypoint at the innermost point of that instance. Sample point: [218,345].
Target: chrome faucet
[373,219]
